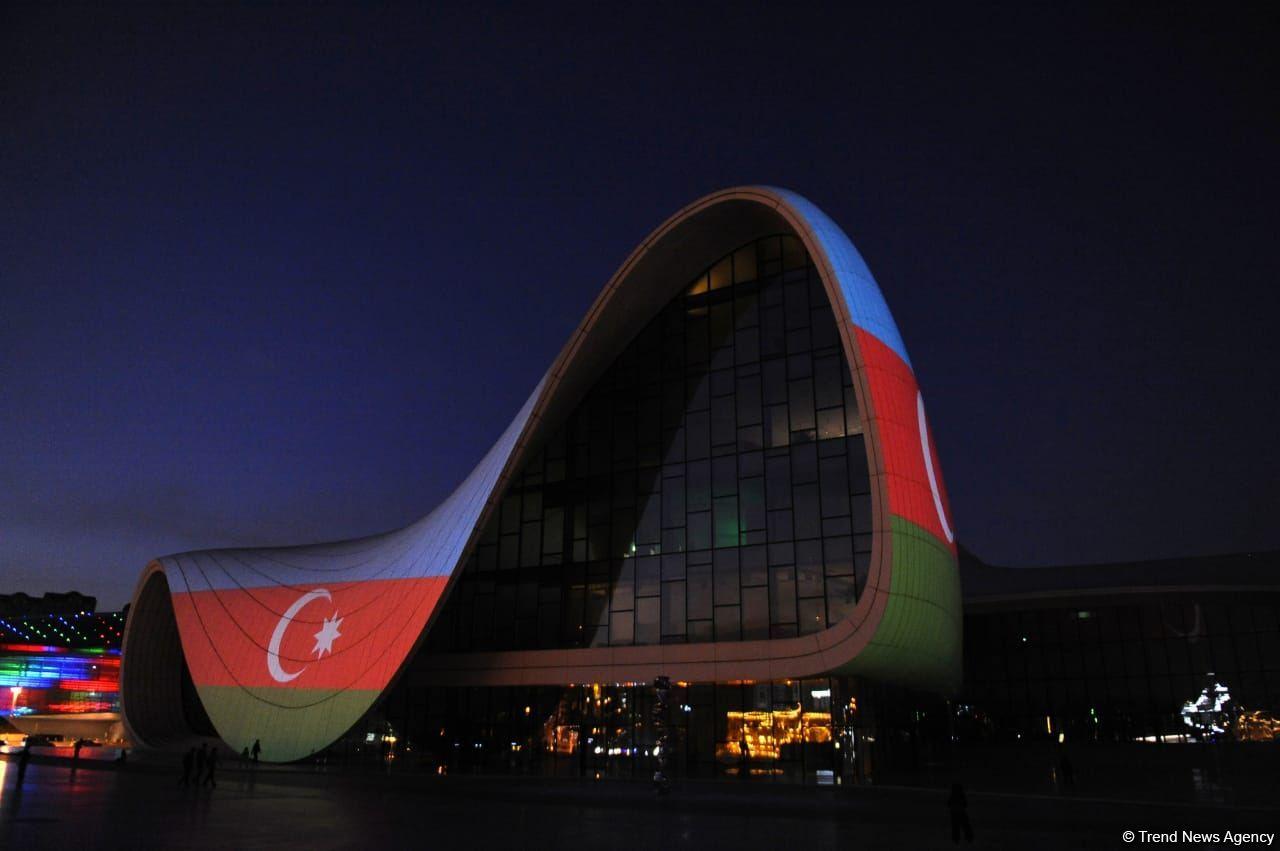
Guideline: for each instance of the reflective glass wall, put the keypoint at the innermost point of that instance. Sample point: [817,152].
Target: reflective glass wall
[1125,669]
[712,485]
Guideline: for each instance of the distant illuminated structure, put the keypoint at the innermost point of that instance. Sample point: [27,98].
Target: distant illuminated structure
[1208,715]
[61,673]
[726,475]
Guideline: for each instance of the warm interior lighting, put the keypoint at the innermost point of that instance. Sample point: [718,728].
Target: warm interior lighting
[765,733]
[1257,726]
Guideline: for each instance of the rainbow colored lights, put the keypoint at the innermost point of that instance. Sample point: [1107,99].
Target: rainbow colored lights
[44,678]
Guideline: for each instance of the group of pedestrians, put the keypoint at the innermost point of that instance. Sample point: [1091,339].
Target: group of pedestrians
[200,765]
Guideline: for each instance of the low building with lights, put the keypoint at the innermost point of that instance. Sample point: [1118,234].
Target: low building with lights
[1176,650]
[60,674]
[726,477]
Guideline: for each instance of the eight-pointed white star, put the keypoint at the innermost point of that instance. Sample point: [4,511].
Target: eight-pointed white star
[325,637]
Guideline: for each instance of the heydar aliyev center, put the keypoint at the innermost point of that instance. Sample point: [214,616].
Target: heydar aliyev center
[726,477]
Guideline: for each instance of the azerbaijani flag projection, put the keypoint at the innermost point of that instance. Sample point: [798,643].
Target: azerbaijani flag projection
[291,646]
[919,633]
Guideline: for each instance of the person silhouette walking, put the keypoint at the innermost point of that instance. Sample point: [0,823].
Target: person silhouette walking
[212,766]
[257,749]
[23,759]
[958,804]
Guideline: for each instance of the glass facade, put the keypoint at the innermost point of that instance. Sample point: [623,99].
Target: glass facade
[712,485]
[1120,669]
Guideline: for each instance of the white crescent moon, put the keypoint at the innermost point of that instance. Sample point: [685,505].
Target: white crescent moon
[928,468]
[279,674]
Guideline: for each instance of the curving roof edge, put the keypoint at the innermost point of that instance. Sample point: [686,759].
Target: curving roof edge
[241,621]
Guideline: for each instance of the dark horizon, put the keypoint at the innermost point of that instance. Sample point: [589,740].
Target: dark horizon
[281,275]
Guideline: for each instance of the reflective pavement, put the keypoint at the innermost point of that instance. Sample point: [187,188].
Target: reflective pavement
[143,807]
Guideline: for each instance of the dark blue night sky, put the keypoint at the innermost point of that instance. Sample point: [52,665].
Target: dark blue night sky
[281,274]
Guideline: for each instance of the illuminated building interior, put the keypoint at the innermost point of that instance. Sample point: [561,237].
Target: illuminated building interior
[60,663]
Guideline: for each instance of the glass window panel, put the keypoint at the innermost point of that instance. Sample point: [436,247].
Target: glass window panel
[509,552]
[722,274]
[622,628]
[597,616]
[773,375]
[852,418]
[751,504]
[697,435]
[860,509]
[804,464]
[724,480]
[755,613]
[648,575]
[700,631]
[531,545]
[838,556]
[624,524]
[841,597]
[830,423]
[753,563]
[699,588]
[725,518]
[813,616]
[809,569]
[747,346]
[782,595]
[673,504]
[647,624]
[750,408]
[796,299]
[801,408]
[784,553]
[744,264]
[727,584]
[553,531]
[728,627]
[778,482]
[825,333]
[773,333]
[673,621]
[793,253]
[510,514]
[649,527]
[746,310]
[808,519]
[779,526]
[835,487]
[598,543]
[699,530]
[777,429]
[698,484]
[859,478]
[724,428]
[624,586]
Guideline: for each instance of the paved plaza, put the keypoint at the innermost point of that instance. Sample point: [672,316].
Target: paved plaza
[98,806]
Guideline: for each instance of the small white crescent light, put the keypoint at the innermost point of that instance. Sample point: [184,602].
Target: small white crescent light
[928,468]
[278,673]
